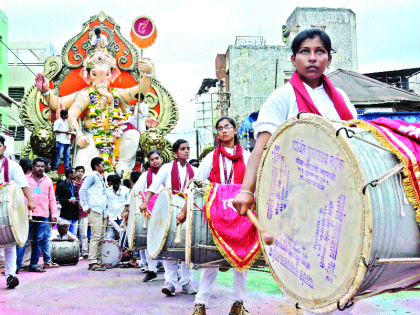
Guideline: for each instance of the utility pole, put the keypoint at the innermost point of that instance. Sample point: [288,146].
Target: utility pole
[275,80]
[198,147]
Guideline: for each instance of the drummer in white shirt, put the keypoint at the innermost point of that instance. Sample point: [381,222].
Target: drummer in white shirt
[116,196]
[11,171]
[309,90]
[144,182]
[174,175]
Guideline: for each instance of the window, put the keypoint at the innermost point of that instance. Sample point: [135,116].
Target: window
[19,132]
[17,93]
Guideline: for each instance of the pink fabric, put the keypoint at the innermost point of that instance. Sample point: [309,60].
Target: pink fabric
[237,160]
[129,127]
[234,234]
[150,204]
[306,104]
[400,133]
[45,201]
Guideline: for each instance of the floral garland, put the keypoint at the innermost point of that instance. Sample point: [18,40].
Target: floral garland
[105,140]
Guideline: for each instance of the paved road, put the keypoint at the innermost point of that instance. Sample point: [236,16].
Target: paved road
[75,290]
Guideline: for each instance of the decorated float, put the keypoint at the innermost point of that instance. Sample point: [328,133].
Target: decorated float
[92,112]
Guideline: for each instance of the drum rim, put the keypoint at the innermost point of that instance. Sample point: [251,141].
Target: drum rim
[19,242]
[155,254]
[131,244]
[354,282]
[188,222]
[112,241]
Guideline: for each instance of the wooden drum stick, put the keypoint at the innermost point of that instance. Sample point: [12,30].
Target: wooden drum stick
[178,239]
[267,237]
[144,221]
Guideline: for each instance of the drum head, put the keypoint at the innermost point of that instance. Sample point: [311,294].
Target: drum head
[111,253]
[18,213]
[159,223]
[309,196]
[131,221]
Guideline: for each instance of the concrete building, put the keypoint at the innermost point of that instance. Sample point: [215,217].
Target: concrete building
[27,59]
[4,74]
[253,70]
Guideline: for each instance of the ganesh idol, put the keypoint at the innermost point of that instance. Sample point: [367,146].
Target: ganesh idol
[107,128]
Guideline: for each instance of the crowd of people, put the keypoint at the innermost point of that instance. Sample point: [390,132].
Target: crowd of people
[93,201]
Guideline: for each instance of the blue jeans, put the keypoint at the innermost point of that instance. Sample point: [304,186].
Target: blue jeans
[59,149]
[39,230]
[46,244]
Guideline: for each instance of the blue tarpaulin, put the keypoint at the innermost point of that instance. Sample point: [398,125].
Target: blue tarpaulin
[410,117]
[246,129]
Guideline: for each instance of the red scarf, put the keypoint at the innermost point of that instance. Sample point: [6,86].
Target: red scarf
[175,178]
[150,173]
[5,166]
[306,104]
[237,160]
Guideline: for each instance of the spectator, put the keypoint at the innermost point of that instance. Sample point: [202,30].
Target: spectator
[62,139]
[23,162]
[27,168]
[62,233]
[47,165]
[99,40]
[83,219]
[109,180]
[92,195]
[134,176]
[127,183]
[145,166]
[194,163]
[42,191]
[66,194]
[116,197]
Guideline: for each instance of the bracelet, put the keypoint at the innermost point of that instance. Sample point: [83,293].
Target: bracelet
[46,93]
[148,75]
[248,192]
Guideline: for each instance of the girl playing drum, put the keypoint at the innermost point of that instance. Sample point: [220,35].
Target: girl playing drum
[309,90]
[225,165]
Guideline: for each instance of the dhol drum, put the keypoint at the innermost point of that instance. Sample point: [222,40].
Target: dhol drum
[136,235]
[200,250]
[329,231]
[162,227]
[65,252]
[111,253]
[14,226]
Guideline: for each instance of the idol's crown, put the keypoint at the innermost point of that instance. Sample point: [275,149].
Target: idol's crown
[99,57]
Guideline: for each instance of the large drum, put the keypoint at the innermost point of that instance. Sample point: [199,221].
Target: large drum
[14,226]
[200,250]
[328,229]
[65,252]
[136,235]
[111,253]
[162,227]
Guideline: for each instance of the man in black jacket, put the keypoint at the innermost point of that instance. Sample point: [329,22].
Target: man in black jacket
[66,194]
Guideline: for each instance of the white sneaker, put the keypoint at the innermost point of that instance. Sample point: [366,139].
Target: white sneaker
[189,289]
[168,289]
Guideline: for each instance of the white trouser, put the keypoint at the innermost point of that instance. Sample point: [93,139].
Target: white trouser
[1,255]
[10,261]
[83,229]
[208,277]
[171,276]
[151,263]
[143,256]
[347,311]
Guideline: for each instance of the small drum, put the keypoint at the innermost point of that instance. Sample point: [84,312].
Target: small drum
[111,253]
[65,252]
[201,250]
[136,235]
[329,231]
[14,225]
[162,227]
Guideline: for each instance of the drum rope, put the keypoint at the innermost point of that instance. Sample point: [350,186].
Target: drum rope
[389,288]
[352,134]
[51,222]
[379,180]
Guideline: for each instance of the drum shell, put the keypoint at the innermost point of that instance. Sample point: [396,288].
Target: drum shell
[201,252]
[383,232]
[136,235]
[14,224]
[163,220]
[65,252]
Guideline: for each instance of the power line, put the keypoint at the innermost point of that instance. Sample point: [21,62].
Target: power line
[16,56]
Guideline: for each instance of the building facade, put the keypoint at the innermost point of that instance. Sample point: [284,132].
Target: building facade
[253,70]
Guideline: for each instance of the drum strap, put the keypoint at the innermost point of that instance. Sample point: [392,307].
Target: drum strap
[5,165]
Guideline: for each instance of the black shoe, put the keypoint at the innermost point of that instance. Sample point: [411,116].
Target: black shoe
[12,282]
[160,267]
[151,276]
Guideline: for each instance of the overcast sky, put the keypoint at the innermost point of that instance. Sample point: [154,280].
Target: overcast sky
[192,32]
